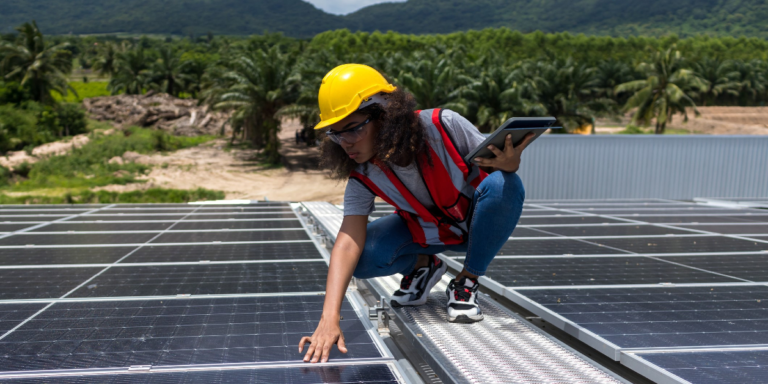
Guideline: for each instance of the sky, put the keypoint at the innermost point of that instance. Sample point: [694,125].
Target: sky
[343,7]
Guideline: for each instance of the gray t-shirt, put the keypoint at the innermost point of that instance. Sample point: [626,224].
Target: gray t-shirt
[358,200]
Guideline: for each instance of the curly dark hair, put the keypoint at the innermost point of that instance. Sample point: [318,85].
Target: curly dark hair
[401,136]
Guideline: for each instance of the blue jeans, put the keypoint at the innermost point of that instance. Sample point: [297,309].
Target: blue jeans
[495,211]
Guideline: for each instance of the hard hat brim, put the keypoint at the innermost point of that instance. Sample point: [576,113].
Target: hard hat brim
[331,121]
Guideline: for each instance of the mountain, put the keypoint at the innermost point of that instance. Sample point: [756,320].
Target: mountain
[178,17]
[611,17]
[300,19]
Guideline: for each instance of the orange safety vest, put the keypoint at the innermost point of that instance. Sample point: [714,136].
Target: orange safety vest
[450,180]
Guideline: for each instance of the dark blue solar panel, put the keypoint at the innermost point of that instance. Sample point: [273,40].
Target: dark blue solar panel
[175,332]
[665,316]
[720,367]
[310,374]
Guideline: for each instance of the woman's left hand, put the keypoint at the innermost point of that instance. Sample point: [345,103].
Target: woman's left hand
[507,160]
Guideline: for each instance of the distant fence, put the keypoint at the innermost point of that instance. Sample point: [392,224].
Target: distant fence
[645,166]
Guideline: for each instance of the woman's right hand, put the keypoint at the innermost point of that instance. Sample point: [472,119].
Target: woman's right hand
[327,334]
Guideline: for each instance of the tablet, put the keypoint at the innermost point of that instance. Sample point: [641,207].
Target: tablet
[518,127]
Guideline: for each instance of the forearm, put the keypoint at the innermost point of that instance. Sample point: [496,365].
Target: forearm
[343,262]
[344,256]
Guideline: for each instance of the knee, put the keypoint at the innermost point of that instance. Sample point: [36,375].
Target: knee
[506,186]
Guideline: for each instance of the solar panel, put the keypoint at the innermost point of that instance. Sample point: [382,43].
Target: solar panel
[5,227]
[237,224]
[749,267]
[700,219]
[12,315]
[713,367]
[224,252]
[213,279]
[106,227]
[664,316]
[77,238]
[683,244]
[732,229]
[561,220]
[267,293]
[559,246]
[289,234]
[527,272]
[41,283]
[175,332]
[358,373]
[611,230]
[68,255]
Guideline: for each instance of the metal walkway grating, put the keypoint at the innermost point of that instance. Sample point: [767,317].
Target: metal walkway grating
[502,348]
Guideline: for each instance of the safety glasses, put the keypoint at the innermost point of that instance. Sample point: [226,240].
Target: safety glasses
[351,135]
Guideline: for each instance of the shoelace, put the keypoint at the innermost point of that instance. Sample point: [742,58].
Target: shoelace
[407,280]
[461,293]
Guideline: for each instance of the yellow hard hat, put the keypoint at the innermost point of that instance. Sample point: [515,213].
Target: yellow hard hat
[344,88]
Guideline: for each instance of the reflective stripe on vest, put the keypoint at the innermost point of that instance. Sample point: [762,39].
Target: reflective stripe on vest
[450,180]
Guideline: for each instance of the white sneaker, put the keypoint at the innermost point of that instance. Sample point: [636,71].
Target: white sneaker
[462,301]
[415,287]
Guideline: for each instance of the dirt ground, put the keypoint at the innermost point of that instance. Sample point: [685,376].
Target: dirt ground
[713,121]
[235,173]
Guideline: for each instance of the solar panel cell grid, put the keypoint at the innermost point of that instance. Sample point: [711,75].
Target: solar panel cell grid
[77,239]
[103,227]
[42,256]
[363,374]
[125,218]
[23,219]
[561,220]
[700,219]
[684,244]
[12,315]
[733,229]
[665,317]
[237,224]
[715,367]
[174,332]
[523,272]
[224,252]
[242,216]
[612,230]
[4,227]
[749,267]
[230,236]
[207,279]
[41,283]
[560,246]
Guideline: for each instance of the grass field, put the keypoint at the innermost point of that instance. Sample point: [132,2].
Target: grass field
[84,90]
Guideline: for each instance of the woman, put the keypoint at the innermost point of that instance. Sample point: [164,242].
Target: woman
[414,161]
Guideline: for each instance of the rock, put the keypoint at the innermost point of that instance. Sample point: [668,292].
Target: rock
[121,173]
[116,160]
[183,117]
[131,156]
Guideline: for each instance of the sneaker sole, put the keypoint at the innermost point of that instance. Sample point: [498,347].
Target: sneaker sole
[430,284]
[464,319]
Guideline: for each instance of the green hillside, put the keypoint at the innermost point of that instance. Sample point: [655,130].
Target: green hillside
[178,17]
[613,17]
[300,19]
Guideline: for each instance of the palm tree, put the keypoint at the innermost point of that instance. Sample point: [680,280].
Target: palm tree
[430,78]
[750,80]
[132,74]
[193,70]
[165,73]
[106,63]
[256,91]
[41,68]
[663,92]
[718,78]
[568,91]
